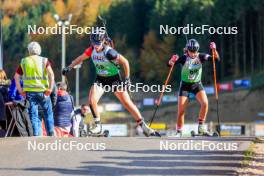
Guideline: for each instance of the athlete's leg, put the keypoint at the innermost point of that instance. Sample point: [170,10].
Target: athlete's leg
[131,107]
[94,96]
[126,101]
[202,99]
[182,104]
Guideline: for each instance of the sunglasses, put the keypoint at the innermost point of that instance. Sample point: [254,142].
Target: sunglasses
[97,43]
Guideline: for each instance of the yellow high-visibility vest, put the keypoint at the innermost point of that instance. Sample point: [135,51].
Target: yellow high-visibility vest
[35,77]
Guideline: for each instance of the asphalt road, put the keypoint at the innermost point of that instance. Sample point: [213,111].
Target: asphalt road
[121,156]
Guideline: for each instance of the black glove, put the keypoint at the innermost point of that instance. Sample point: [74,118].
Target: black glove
[66,70]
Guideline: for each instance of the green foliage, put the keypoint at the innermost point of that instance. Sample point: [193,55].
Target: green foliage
[197,12]
[134,25]
[154,56]
[15,36]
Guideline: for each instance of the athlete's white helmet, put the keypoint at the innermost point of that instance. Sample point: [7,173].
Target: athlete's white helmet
[34,48]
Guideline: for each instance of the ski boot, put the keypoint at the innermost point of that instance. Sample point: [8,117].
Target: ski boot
[177,134]
[203,132]
[147,131]
[97,129]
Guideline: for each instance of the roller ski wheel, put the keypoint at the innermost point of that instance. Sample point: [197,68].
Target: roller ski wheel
[192,133]
[178,134]
[105,133]
[153,134]
[214,134]
[156,134]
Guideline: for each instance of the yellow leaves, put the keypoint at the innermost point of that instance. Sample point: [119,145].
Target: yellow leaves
[93,8]
[154,56]
[48,19]
[59,7]
[84,12]
[23,14]
[75,7]
[165,46]
[6,20]
[10,7]
[30,2]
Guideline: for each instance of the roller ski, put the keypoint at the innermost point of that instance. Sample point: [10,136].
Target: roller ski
[105,133]
[203,132]
[178,134]
[96,131]
[147,131]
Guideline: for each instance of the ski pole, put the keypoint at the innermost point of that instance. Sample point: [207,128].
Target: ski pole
[161,95]
[67,83]
[109,40]
[104,24]
[216,91]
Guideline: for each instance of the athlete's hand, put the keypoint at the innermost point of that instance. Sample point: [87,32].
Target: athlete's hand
[213,48]
[173,59]
[66,70]
[212,45]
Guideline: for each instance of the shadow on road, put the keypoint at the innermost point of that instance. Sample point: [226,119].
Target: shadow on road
[107,170]
[156,162]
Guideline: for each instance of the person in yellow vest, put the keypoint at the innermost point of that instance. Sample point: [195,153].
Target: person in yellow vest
[38,79]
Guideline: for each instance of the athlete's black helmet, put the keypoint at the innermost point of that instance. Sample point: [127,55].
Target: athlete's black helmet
[192,45]
[97,38]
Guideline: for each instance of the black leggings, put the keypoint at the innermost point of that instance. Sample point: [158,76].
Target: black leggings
[108,81]
[186,88]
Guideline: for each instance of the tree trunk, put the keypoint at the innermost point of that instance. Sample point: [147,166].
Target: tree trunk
[236,56]
[252,49]
[261,37]
[244,45]
[231,57]
[259,34]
